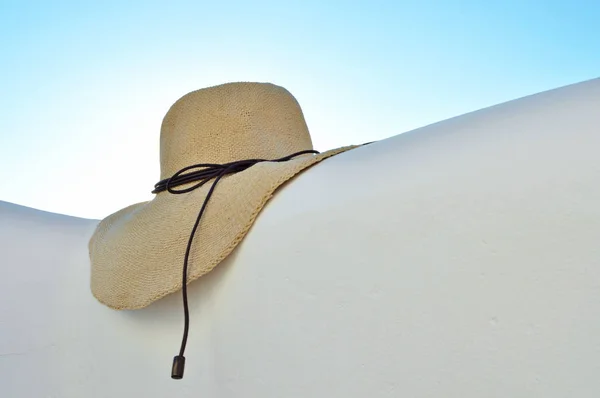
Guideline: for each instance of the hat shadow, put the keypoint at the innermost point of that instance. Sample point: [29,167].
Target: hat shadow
[169,309]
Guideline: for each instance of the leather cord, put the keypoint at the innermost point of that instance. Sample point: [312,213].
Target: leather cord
[202,174]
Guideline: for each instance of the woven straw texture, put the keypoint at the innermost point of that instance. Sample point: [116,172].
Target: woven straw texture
[137,253]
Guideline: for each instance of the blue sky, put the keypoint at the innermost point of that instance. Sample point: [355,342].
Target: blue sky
[84,85]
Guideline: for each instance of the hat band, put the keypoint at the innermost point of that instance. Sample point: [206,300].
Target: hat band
[205,173]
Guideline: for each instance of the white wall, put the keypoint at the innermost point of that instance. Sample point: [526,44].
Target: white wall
[458,260]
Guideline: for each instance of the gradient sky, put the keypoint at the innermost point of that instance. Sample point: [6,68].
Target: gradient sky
[84,85]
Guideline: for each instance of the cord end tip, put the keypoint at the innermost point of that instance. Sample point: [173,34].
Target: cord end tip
[178,367]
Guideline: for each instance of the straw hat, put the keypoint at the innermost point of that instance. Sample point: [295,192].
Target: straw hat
[138,252]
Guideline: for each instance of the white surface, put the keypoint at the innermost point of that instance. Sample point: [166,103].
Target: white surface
[458,260]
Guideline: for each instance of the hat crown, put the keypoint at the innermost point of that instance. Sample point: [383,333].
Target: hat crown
[231,122]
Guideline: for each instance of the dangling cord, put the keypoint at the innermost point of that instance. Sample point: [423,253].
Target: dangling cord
[207,172]
[179,360]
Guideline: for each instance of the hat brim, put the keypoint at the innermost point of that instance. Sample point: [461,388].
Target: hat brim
[137,253]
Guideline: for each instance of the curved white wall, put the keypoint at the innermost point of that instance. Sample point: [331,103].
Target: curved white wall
[458,260]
